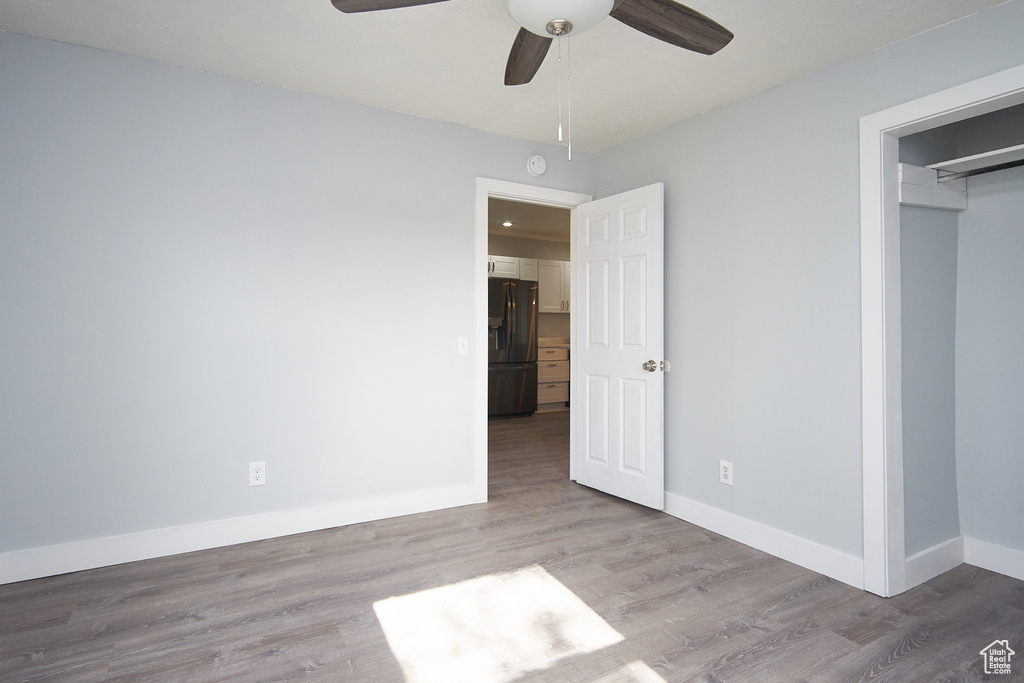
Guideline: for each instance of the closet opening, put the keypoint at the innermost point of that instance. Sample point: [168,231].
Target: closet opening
[941,303]
[962,295]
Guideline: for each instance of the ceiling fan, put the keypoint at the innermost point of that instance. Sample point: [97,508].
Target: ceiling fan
[542,20]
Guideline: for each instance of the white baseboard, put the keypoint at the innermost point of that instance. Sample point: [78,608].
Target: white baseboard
[941,558]
[808,554]
[995,558]
[34,563]
[936,560]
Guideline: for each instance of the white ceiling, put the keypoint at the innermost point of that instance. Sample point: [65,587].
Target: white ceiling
[446,61]
[531,221]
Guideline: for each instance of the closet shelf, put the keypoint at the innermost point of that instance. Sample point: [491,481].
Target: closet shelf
[996,160]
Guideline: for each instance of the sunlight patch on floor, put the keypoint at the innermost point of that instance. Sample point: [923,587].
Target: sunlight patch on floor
[494,629]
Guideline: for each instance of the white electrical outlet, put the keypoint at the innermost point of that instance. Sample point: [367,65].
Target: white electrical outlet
[725,472]
[257,473]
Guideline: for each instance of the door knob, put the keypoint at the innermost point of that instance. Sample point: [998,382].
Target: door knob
[650,366]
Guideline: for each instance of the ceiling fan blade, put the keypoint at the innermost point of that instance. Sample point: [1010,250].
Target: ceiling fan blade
[528,52]
[673,23]
[350,6]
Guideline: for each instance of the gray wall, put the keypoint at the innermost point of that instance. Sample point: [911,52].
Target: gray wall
[505,245]
[990,360]
[195,271]
[930,146]
[762,276]
[928,273]
[1002,128]
[198,272]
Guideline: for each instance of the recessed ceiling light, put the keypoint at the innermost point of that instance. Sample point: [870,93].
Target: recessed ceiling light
[507,224]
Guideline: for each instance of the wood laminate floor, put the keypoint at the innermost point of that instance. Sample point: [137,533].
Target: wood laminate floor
[578,586]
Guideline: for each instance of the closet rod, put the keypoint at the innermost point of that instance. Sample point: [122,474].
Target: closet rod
[986,162]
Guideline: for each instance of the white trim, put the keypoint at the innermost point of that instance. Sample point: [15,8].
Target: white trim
[516,192]
[995,558]
[33,563]
[808,554]
[528,194]
[884,551]
[880,363]
[936,560]
[942,557]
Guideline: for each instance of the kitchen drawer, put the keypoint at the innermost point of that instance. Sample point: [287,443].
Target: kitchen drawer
[553,371]
[551,353]
[552,392]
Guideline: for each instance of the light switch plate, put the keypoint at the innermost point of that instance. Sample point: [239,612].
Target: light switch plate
[463,346]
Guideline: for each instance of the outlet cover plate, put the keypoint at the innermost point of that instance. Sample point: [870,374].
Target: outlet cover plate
[257,473]
[725,472]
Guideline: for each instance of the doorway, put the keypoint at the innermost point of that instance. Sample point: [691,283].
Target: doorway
[531,242]
[527,197]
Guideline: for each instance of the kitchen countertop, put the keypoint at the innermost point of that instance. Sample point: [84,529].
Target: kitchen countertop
[559,342]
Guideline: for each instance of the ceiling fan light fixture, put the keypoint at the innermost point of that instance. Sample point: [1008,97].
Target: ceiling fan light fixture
[557,17]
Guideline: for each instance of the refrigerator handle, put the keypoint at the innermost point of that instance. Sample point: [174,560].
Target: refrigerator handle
[509,318]
[512,310]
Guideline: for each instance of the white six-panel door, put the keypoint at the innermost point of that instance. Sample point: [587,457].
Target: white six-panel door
[617,416]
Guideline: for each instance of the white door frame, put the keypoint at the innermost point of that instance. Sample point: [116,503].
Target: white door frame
[529,194]
[881,362]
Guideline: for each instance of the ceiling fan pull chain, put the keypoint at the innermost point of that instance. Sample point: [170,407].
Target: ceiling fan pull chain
[568,87]
[559,79]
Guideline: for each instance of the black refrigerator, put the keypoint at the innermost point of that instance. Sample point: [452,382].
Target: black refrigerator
[512,347]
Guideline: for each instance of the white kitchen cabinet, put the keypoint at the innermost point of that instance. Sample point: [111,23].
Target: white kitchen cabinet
[555,393]
[545,352]
[553,286]
[528,269]
[567,284]
[552,373]
[502,266]
[513,267]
